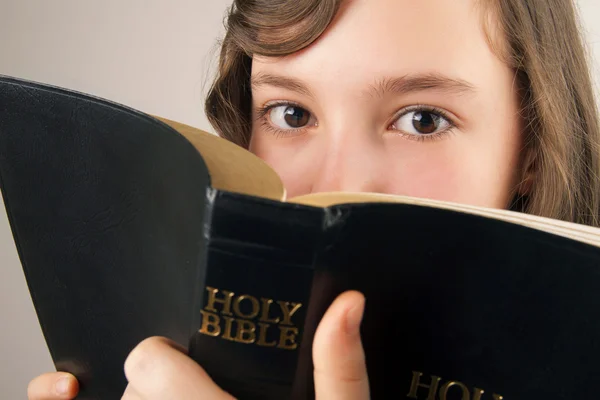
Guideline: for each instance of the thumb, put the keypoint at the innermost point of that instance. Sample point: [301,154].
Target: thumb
[338,355]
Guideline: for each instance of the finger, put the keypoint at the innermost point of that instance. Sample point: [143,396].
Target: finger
[158,369]
[338,355]
[53,386]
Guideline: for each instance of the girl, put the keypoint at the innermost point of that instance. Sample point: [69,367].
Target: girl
[484,102]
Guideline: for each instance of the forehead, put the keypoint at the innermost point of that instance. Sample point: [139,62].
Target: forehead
[374,38]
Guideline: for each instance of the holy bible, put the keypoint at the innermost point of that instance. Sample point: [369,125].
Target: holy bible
[130,226]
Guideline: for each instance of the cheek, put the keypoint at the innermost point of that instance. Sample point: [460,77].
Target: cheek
[290,158]
[459,180]
[472,170]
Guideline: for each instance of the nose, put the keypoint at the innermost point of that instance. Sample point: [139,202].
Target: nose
[350,162]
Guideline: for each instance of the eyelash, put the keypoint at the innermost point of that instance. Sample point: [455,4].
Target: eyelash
[262,117]
[429,109]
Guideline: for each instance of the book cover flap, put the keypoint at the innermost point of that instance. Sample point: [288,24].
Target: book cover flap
[107,210]
[462,306]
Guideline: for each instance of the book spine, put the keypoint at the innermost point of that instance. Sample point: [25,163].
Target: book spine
[254,288]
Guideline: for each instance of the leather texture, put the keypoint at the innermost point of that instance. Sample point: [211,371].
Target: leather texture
[107,211]
[490,308]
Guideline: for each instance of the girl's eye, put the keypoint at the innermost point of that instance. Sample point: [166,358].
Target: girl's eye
[289,117]
[422,122]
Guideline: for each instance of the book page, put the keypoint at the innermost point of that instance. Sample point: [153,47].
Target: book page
[231,167]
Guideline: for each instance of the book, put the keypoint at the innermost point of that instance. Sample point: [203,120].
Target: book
[130,226]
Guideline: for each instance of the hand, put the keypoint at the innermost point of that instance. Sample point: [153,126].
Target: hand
[338,356]
[159,369]
[53,386]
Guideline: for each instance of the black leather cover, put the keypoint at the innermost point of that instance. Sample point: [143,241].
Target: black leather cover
[107,209]
[121,238]
[492,306]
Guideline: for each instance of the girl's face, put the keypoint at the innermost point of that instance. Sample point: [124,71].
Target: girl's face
[397,96]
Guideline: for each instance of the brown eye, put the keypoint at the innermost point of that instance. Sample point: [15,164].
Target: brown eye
[296,117]
[289,117]
[421,122]
[425,122]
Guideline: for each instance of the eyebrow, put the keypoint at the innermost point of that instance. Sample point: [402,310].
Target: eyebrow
[421,82]
[400,85]
[283,82]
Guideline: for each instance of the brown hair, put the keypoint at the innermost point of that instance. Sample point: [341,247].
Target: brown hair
[539,39]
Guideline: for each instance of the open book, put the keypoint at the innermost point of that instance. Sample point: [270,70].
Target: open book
[129,226]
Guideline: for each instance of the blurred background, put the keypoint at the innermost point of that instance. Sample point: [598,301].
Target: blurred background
[153,55]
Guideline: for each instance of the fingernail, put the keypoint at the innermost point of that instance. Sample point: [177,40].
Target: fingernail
[354,318]
[62,386]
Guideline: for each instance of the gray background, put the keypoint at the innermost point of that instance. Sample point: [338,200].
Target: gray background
[153,55]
